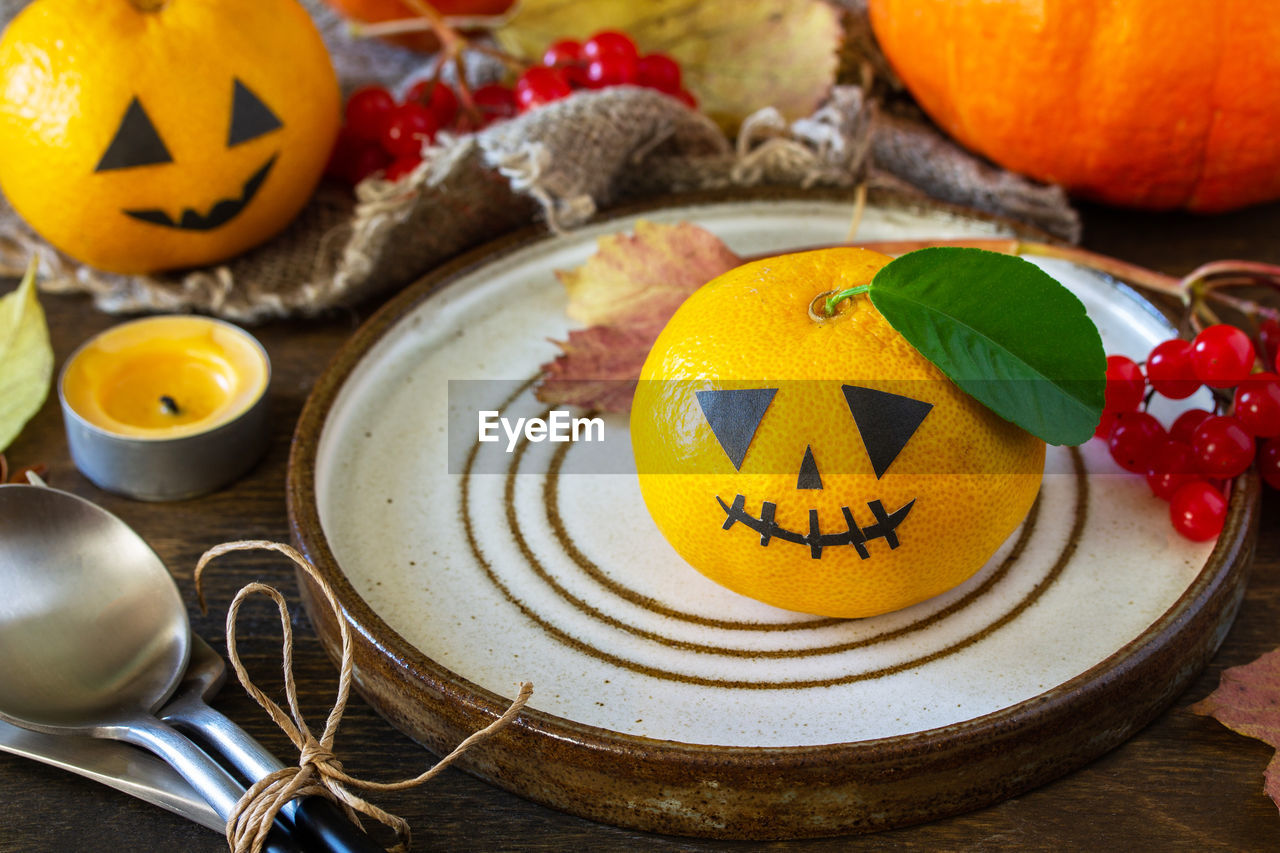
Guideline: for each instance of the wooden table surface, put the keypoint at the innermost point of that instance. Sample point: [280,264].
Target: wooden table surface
[1184,782]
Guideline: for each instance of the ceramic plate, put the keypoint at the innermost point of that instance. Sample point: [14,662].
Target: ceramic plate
[663,701]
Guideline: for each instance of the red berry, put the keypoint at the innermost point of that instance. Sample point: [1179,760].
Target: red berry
[1185,424]
[367,112]
[566,55]
[1171,465]
[1269,462]
[540,85]
[1169,369]
[368,159]
[437,97]
[1198,511]
[1125,385]
[1258,404]
[563,52]
[1269,342]
[495,99]
[613,69]
[401,167]
[1222,446]
[1134,439]
[409,128]
[577,76]
[609,43]
[686,97]
[1222,356]
[658,71]
[1103,429]
[493,102]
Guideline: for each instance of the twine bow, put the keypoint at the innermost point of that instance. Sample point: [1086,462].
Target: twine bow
[318,771]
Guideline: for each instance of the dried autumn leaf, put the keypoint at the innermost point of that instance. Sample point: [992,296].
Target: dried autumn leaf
[627,291]
[26,358]
[1247,701]
[632,276]
[597,368]
[736,57]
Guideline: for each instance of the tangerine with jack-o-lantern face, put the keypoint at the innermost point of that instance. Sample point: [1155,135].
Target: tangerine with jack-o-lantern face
[820,464]
[145,135]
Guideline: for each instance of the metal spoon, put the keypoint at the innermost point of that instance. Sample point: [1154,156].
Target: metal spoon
[95,634]
[93,642]
[118,765]
[139,773]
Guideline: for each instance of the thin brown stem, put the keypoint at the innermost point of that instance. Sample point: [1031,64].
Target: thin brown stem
[1247,307]
[1256,269]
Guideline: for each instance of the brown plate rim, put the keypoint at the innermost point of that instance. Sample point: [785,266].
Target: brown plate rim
[1198,620]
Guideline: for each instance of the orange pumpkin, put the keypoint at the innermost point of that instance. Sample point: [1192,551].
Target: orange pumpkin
[144,135]
[1144,103]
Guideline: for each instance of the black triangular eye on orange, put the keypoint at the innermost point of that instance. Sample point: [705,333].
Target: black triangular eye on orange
[136,143]
[734,415]
[885,421]
[250,118]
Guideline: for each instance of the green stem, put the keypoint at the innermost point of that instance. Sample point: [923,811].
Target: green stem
[840,295]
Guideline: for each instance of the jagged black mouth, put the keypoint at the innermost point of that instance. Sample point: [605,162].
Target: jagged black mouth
[220,214]
[885,526]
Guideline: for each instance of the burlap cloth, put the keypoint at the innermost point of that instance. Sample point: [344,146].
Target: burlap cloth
[561,163]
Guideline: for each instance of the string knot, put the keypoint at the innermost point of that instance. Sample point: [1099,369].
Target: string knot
[319,772]
[315,754]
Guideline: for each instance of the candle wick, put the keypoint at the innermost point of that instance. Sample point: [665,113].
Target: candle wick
[169,405]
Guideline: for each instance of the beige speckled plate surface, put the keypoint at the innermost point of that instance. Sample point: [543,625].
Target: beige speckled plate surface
[662,701]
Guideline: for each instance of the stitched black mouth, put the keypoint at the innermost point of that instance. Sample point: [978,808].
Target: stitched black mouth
[220,214]
[885,526]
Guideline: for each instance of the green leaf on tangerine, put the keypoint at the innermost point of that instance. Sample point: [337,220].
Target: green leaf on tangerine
[1004,331]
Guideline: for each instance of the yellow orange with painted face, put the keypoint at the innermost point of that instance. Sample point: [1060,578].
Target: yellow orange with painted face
[820,464]
[144,135]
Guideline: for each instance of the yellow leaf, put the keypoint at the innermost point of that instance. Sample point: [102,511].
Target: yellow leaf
[736,56]
[26,358]
[643,277]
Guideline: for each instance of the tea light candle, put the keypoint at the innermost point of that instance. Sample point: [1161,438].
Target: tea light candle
[165,408]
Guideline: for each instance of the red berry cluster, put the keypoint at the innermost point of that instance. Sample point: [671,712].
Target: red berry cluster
[1189,464]
[381,135]
[606,59]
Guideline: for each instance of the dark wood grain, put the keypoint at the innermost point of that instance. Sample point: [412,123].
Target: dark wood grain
[1184,782]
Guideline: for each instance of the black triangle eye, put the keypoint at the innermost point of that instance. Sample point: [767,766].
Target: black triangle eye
[734,415]
[136,142]
[250,118]
[885,421]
